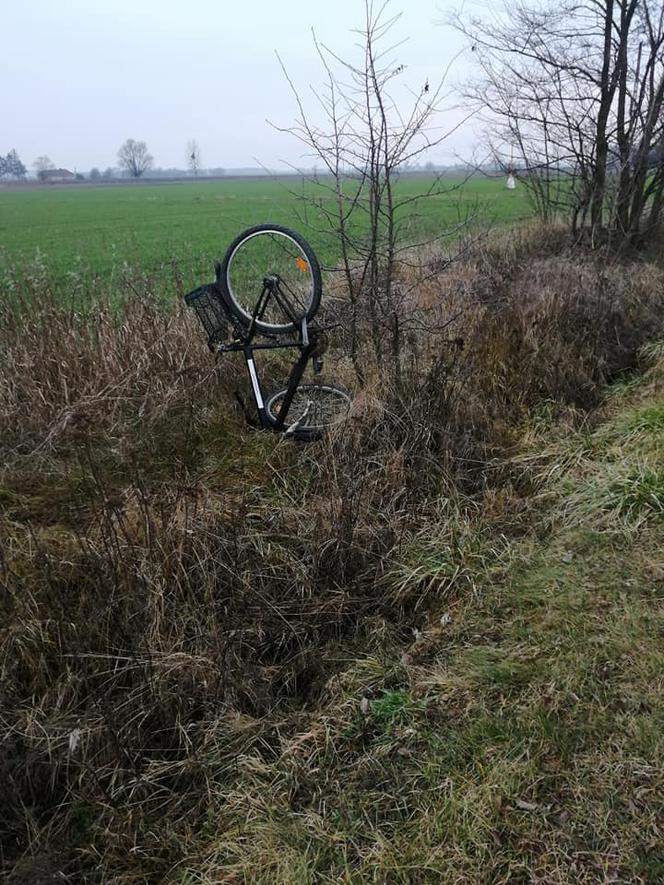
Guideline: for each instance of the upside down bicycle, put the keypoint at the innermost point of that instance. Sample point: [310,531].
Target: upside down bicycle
[269,284]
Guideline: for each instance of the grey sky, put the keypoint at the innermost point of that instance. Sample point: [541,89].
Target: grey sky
[87,74]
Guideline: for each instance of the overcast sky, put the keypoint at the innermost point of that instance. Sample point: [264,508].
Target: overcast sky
[81,76]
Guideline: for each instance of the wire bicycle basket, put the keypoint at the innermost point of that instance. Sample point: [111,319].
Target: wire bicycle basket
[210,311]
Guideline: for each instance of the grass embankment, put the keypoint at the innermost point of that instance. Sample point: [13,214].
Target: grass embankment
[518,735]
[428,649]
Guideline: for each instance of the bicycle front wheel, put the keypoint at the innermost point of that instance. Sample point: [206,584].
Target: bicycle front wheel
[314,409]
[269,250]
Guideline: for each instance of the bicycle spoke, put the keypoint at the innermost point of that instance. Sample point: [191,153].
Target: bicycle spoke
[277,254]
[298,300]
[315,406]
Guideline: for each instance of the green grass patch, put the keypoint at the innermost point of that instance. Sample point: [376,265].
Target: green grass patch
[648,420]
[181,227]
[638,494]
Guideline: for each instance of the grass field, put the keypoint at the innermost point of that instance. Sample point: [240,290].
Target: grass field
[94,230]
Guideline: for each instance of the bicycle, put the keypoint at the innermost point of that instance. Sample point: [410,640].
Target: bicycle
[269,283]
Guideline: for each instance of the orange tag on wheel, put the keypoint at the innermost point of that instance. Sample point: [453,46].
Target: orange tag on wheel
[302,264]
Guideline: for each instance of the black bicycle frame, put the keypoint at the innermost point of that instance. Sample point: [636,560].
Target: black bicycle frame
[293,380]
[306,344]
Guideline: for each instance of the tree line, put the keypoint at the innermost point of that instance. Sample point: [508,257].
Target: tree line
[11,166]
[572,92]
[134,159]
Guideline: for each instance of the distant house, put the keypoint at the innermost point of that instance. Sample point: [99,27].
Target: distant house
[57,176]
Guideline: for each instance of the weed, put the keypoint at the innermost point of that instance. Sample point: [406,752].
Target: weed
[191,615]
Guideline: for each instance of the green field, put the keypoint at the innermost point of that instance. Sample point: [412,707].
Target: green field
[95,230]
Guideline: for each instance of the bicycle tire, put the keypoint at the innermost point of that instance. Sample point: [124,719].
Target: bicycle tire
[330,407]
[305,301]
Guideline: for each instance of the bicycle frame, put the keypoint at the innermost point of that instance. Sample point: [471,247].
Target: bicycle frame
[247,349]
[306,343]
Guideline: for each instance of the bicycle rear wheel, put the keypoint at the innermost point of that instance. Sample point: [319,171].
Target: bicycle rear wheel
[283,255]
[314,409]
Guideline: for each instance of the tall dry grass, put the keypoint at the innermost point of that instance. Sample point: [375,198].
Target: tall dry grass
[174,586]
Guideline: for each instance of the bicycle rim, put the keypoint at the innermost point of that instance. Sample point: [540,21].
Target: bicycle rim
[316,406]
[278,254]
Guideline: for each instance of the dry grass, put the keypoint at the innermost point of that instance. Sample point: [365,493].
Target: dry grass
[222,655]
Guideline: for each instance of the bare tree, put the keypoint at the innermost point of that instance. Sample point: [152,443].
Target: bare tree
[193,157]
[133,156]
[41,166]
[11,165]
[576,89]
[365,138]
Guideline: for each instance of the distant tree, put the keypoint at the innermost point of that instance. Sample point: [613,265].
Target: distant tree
[108,174]
[95,174]
[193,156]
[133,156]
[13,165]
[41,166]
[80,176]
